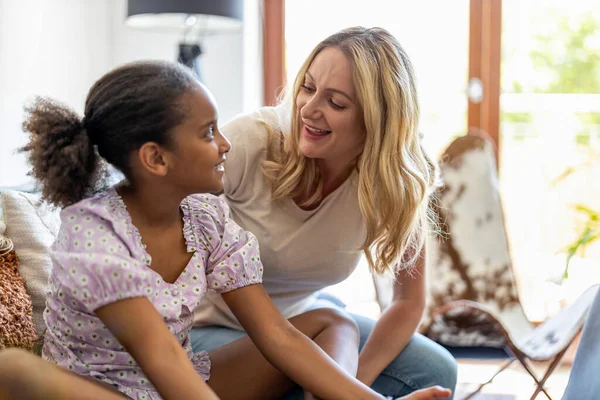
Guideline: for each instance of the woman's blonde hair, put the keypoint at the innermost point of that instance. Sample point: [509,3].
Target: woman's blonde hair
[395,174]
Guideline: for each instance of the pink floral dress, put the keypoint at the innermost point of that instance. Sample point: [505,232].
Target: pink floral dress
[99,258]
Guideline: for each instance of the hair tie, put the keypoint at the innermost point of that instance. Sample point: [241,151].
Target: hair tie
[6,245]
[84,126]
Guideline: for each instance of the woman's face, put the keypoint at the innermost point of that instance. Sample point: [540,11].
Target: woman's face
[331,123]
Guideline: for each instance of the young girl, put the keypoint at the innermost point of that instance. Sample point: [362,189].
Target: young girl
[131,262]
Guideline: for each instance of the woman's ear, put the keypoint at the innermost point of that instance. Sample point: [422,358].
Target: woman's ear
[153,159]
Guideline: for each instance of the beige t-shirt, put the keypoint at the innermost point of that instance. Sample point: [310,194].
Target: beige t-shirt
[302,251]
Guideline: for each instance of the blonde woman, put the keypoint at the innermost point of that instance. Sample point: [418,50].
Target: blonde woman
[336,172]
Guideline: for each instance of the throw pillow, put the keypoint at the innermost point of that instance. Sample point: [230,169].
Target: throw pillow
[32,226]
[16,323]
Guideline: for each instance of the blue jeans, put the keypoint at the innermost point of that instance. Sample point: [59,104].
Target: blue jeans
[422,363]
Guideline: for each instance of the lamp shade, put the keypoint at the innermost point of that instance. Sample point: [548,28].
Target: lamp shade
[200,16]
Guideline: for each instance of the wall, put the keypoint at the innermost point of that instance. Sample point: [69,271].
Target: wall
[59,48]
[47,48]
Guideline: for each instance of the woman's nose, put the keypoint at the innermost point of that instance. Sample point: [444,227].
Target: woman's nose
[311,109]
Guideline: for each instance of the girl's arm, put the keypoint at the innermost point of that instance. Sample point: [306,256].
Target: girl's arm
[397,324]
[289,350]
[142,332]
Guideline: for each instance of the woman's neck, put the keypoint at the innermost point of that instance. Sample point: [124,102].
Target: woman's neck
[332,178]
[333,175]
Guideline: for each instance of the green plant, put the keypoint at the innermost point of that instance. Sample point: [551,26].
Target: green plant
[591,230]
[588,235]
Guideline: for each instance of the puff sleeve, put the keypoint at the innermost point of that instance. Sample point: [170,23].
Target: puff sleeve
[233,259]
[94,260]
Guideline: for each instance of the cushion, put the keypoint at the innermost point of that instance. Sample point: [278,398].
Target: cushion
[16,323]
[32,226]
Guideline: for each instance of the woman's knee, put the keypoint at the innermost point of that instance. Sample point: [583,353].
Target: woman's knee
[441,366]
[421,364]
[334,318]
[445,371]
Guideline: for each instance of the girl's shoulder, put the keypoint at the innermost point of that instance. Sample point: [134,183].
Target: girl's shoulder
[206,203]
[204,215]
[102,221]
[105,205]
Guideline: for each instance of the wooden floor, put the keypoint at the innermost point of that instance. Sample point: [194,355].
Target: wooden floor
[512,384]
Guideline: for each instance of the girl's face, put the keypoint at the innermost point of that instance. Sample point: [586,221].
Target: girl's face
[196,162]
[331,126]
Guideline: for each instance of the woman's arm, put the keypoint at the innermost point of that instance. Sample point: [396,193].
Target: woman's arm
[142,332]
[397,324]
[291,351]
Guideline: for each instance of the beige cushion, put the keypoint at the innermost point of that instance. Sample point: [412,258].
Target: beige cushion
[5,243]
[32,226]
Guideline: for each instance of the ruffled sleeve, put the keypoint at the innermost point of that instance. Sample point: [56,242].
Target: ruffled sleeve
[95,259]
[233,259]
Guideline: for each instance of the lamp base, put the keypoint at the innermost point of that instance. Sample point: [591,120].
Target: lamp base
[188,56]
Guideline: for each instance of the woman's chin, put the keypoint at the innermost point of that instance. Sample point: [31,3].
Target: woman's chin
[309,151]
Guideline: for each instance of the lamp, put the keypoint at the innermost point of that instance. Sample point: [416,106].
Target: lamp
[194,19]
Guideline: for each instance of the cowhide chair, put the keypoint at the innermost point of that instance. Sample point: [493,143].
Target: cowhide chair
[473,301]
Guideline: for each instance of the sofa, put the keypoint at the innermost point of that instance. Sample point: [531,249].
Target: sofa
[27,230]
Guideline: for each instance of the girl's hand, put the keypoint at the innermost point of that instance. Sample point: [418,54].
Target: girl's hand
[138,327]
[290,351]
[430,393]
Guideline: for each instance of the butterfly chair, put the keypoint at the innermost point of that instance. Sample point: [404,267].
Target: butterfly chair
[473,304]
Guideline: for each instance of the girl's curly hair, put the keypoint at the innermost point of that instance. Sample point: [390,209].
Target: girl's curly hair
[61,155]
[129,106]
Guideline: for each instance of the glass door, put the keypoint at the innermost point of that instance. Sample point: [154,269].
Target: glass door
[550,145]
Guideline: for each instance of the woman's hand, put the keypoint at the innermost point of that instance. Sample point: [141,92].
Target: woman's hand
[430,393]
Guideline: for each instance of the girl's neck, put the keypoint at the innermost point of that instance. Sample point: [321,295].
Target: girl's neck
[151,206]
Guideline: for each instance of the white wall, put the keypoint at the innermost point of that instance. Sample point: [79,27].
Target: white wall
[220,62]
[56,49]
[59,48]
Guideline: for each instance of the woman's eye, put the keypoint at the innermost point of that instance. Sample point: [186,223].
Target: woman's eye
[336,106]
[307,89]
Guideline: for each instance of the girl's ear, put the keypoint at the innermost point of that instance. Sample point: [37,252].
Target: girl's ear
[153,159]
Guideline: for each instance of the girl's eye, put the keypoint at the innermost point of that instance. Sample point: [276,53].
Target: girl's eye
[307,89]
[211,133]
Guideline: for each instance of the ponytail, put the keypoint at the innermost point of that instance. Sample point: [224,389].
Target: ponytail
[63,159]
